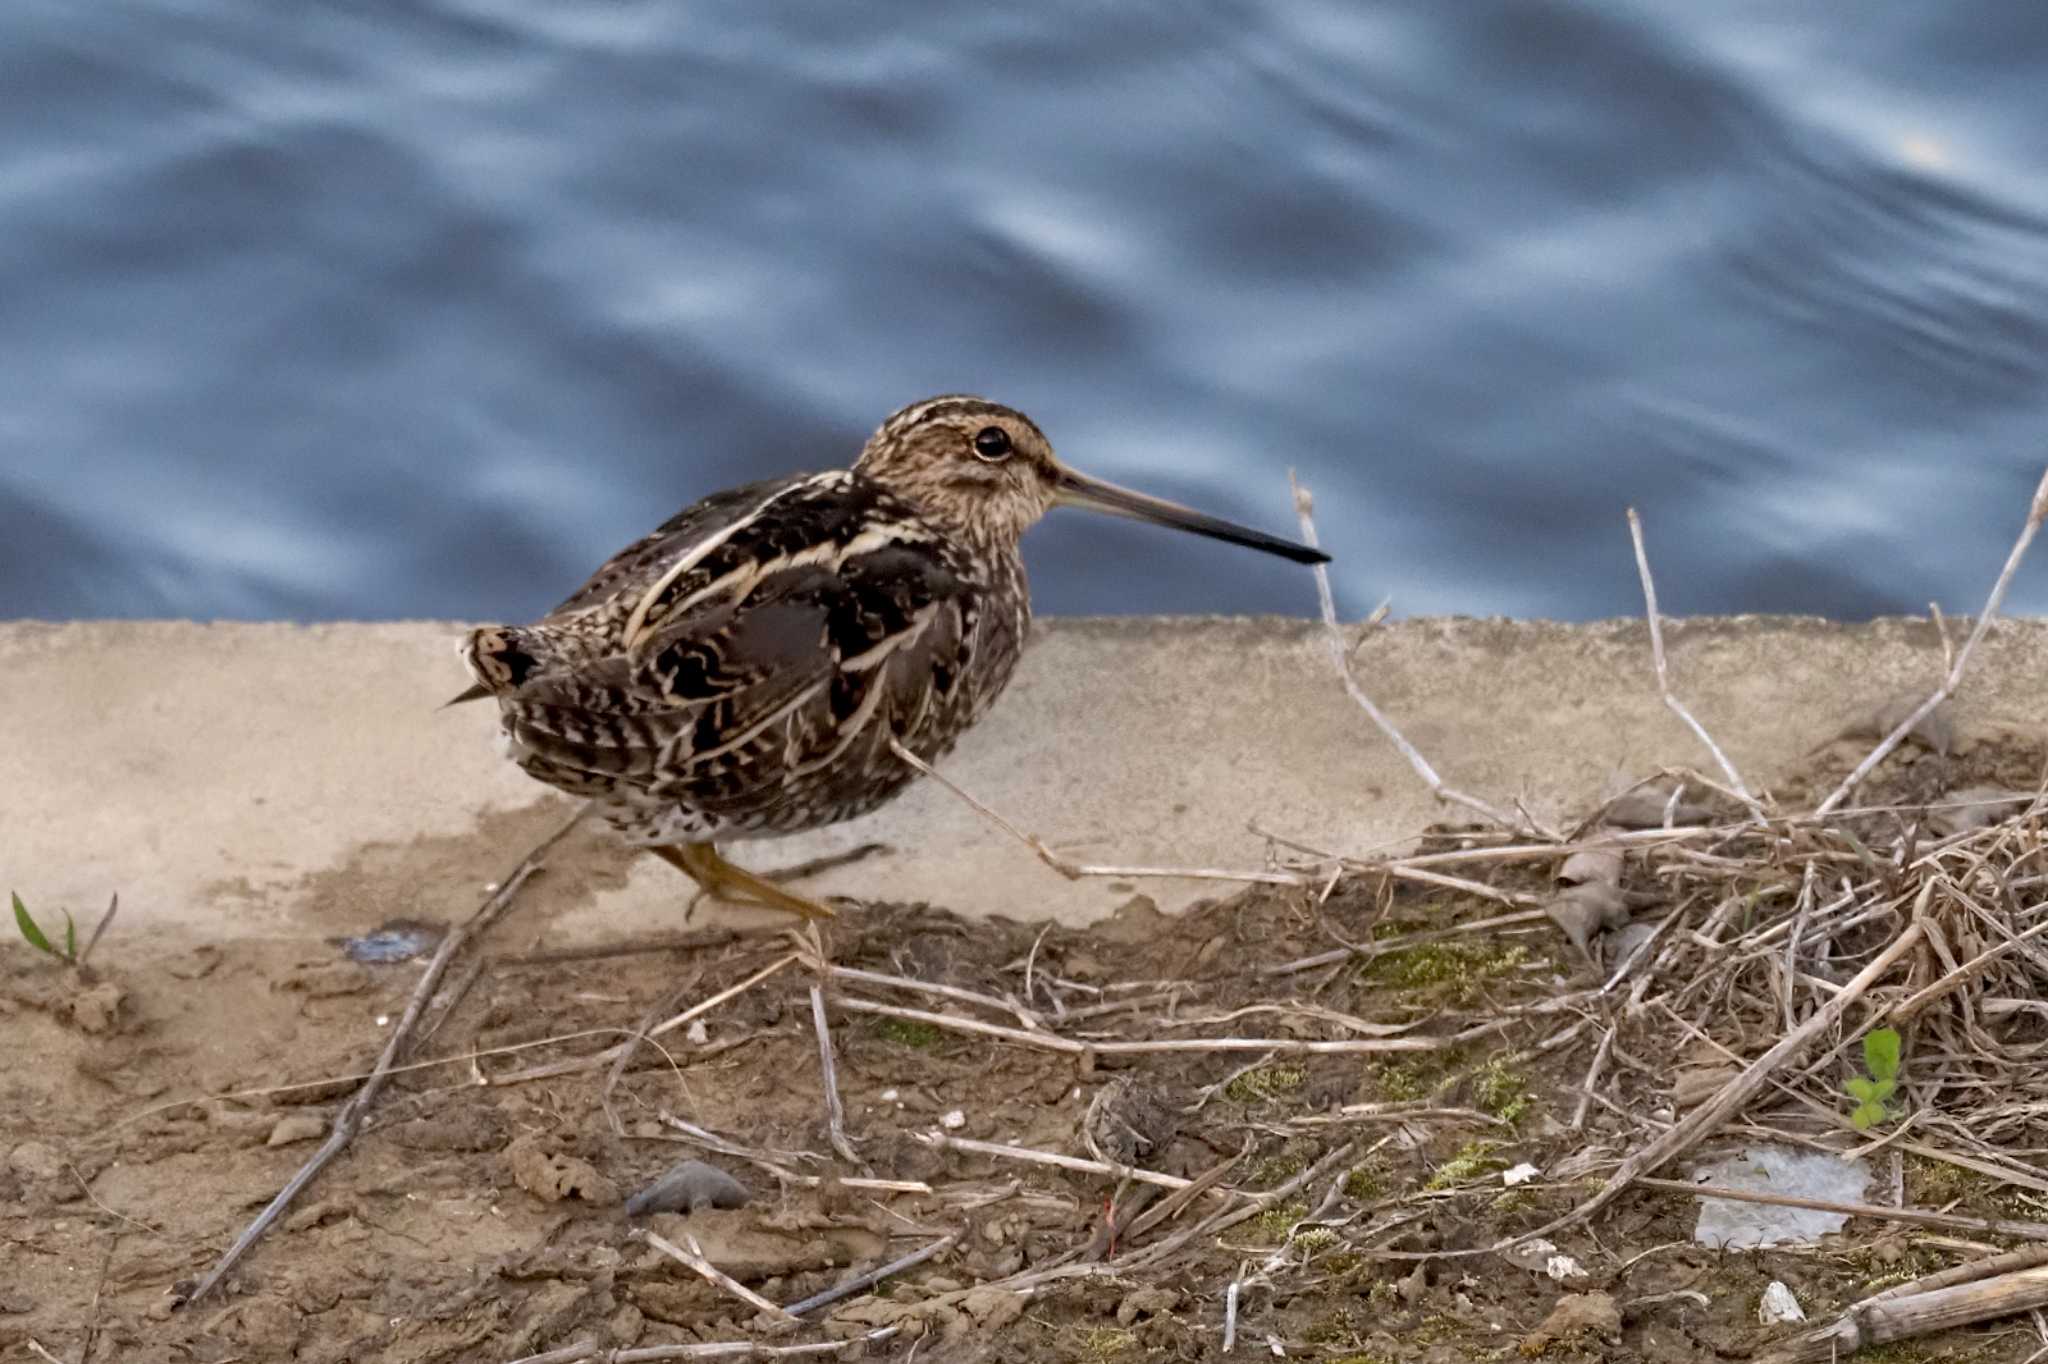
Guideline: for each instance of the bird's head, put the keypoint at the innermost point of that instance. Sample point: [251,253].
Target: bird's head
[988,470]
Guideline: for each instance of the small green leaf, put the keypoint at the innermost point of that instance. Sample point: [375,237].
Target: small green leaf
[1881,1053]
[1867,1116]
[29,930]
[1861,1088]
[70,937]
[1883,1090]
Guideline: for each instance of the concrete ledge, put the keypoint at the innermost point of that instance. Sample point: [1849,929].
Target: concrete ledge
[282,780]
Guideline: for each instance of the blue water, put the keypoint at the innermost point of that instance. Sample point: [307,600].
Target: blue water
[421,309]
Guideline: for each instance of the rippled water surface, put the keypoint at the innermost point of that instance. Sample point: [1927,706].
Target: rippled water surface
[422,309]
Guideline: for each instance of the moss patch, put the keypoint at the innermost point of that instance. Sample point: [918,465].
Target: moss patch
[1101,1344]
[1501,1090]
[1270,1227]
[909,1032]
[1451,971]
[1366,1181]
[1475,1160]
[1265,1083]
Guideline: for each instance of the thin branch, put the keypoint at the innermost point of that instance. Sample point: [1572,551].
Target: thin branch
[1285,1046]
[1912,1217]
[835,1111]
[1635,530]
[684,1018]
[2037,512]
[693,1260]
[593,1352]
[1074,871]
[1000,1151]
[1702,1120]
[351,1116]
[862,1282]
[1340,655]
[1586,1090]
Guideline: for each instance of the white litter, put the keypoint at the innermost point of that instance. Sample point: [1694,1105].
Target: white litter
[1779,1170]
[953,1121]
[1521,1174]
[1543,1257]
[1778,1306]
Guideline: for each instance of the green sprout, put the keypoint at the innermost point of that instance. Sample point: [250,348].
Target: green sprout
[32,933]
[1881,1059]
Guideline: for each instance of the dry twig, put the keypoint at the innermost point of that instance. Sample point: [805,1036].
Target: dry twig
[1340,655]
[2037,511]
[1677,707]
[351,1115]
[693,1260]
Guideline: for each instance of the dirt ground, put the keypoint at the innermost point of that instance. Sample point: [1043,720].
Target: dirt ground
[152,1105]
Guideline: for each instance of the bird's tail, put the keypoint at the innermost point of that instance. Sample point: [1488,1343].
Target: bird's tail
[500,658]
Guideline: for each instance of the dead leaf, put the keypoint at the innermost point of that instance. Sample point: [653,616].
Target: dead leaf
[1584,911]
[1975,807]
[1597,866]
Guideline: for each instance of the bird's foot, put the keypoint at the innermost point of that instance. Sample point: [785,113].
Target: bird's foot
[718,877]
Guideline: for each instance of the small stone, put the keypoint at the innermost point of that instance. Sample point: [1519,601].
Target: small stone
[689,1186]
[33,1160]
[1976,807]
[697,1032]
[1146,1302]
[992,1308]
[95,1009]
[954,1121]
[1578,1316]
[552,1178]
[295,1127]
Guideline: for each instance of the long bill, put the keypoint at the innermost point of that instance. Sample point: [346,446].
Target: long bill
[1079,490]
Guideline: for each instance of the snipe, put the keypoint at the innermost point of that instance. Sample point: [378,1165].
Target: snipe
[740,672]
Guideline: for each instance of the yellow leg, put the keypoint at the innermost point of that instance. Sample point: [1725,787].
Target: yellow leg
[702,864]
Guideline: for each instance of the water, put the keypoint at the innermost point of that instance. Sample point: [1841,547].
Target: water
[421,309]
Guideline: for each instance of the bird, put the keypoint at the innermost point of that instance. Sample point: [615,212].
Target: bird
[748,669]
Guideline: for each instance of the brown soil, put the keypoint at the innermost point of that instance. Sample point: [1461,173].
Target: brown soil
[144,1119]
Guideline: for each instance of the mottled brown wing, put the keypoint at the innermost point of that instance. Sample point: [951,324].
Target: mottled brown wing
[643,559]
[726,703]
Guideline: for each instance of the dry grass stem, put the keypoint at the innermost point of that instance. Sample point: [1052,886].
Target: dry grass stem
[1988,1226]
[593,1352]
[999,1151]
[1027,1017]
[1710,1115]
[1671,701]
[1883,1321]
[861,1283]
[351,1115]
[828,1072]
[1075,871]
[2037,511]
[693,1260]
[698,1010]
[1340,655]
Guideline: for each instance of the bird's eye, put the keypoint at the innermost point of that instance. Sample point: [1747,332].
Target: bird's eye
[992,443]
